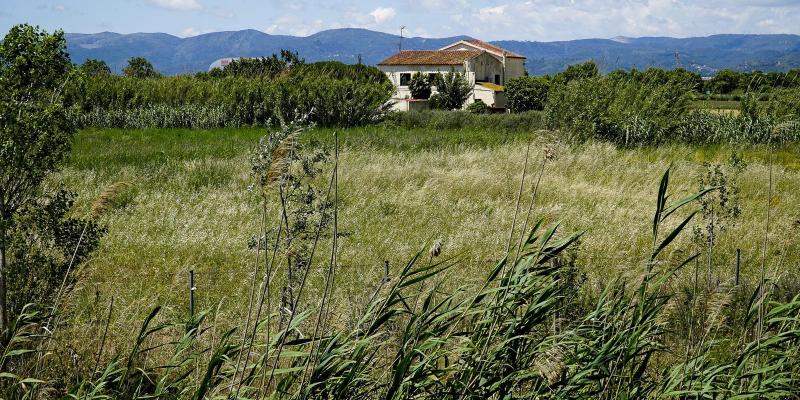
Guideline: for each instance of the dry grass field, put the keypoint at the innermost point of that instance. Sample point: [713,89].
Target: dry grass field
[190,208]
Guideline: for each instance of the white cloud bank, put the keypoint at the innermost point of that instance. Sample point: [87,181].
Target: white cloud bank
[382,14]
[180,5]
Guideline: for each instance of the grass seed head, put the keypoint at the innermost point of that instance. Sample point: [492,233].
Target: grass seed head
[436,249]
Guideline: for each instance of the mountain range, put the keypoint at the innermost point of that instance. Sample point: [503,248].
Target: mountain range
[174,55]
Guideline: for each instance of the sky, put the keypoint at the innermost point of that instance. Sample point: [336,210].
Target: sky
[540,20]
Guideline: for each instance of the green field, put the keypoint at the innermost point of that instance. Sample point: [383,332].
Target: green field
[190,208]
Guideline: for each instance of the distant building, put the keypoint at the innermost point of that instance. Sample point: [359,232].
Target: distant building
[222,63]
[486,67]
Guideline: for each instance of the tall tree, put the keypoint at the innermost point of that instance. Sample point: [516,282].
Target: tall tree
[453,89]
[139,67]
[92,67]
[35,133]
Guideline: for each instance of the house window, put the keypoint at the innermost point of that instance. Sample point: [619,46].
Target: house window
[405,77]
[497,79]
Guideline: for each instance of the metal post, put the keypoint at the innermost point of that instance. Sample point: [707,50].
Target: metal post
[191,293]
[738,264]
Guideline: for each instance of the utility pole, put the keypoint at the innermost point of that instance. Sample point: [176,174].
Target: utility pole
[400,46]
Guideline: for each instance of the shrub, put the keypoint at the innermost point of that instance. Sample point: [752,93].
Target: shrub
[622,112]
[453,90]
[527,93]
[478,107]
[420,86]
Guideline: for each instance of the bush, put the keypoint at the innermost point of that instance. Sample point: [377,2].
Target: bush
[622,112]
[419,86]
[453,90]
[478,107]
[527,93]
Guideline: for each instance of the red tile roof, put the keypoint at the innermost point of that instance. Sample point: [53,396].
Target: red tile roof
[431,57]
[490,48]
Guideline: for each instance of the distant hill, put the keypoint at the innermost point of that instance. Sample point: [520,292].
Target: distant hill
[174,55]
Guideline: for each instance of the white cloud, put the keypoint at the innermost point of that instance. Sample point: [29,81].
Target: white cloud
[59,8]
[181,5]
[497,11]
[292,25]
[382,14]
[189,32]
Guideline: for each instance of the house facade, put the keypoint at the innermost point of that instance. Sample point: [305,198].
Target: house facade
[486,67]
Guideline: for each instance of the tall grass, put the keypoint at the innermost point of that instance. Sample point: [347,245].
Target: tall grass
[527,329]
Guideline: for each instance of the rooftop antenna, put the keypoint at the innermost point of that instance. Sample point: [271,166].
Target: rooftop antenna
[400,46]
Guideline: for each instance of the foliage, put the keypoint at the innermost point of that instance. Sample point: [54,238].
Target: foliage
[336,70]
[657,76]
[45,241]
[573,72]
[140,68]
[527,93]
[35,134]
[478,107]
[92,68]
[263,67]
[784,104]
[622,112]
[724,82]
[452,90]
[420,86]
[327,94]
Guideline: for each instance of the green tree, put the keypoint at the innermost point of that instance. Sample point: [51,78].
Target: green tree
[453,90]
[585,70]
[139,67]
[724,82]
[269,67]
[420,86]
[92,68]
[35,133]
[527,93]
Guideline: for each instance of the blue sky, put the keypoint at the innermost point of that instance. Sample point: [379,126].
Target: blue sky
[542,20]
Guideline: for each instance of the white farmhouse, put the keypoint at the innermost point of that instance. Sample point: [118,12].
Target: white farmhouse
[486,67]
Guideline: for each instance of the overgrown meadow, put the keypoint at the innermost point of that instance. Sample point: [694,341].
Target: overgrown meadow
[191,206]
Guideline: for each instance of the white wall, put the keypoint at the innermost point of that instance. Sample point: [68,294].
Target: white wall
[515,67]
[485,67]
